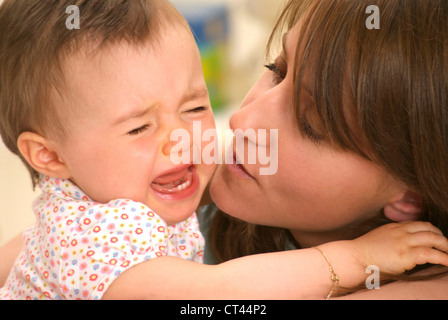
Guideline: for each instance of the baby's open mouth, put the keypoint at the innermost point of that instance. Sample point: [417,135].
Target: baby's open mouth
[175,181]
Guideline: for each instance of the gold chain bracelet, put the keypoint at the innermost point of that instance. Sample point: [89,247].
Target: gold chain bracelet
[334,277]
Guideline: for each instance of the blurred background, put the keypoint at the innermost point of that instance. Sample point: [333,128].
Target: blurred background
[231,35]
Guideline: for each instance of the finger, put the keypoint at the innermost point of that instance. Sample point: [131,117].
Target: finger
[418,226]
[429,239]
[433,256]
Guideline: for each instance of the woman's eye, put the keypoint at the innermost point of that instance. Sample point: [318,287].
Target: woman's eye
[309,132]
[138,130]
[278,74]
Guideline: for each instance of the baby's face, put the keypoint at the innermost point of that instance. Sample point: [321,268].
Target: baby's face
[124,103]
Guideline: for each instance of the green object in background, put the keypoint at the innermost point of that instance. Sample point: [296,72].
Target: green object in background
[209,24]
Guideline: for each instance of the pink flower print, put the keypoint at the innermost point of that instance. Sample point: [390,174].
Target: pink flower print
[126,263]
[111,226]
[93,277]
[105,269]
[161,229]
[124,216]
[139,231]
[97,229]
[82,266]
[113,239]
[64,289]
[65,256]
[87,221]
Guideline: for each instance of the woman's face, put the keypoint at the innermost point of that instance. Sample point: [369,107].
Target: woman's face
[318,192]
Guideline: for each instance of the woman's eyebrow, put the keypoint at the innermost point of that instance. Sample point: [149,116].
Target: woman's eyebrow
[284,39]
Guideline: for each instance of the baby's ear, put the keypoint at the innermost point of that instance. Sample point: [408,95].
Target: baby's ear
[406,207]
[41,155]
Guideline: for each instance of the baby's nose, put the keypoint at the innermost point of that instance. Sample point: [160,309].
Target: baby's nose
[168,146]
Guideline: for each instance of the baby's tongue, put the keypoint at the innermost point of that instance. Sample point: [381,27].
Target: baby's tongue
[172,179]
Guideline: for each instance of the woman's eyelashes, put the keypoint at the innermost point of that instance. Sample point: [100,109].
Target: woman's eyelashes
[277,72]
[278,76]
[309,132]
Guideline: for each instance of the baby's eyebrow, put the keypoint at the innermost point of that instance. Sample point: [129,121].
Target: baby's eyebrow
[133,114]
[136,113]
[195,95]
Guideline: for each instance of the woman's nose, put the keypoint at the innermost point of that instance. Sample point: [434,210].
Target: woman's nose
[251,116]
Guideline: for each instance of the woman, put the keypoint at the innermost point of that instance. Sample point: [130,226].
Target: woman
[363,125]
[353,149]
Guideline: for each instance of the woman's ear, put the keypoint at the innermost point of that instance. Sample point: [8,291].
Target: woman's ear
[407,207]
[41,155]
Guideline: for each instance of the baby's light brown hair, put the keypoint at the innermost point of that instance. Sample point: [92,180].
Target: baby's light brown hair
[35,42]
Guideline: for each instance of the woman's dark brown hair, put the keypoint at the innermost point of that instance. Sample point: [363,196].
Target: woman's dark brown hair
[396,116]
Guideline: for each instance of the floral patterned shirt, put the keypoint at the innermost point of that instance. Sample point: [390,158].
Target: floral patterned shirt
[78,246]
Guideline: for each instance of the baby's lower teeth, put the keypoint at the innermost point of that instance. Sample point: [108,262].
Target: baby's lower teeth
[184,186]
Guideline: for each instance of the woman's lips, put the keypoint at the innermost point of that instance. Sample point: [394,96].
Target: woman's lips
[239,169]
[178,184]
